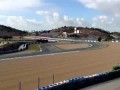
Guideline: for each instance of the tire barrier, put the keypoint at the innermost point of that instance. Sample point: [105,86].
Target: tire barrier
[116,41]
[82,82]
[41,41]
[9,51]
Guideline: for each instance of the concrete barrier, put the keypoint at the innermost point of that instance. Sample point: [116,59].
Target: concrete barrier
[20,48]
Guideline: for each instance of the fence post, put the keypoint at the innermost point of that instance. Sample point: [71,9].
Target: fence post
[20,86]
[38,83]
[53,78]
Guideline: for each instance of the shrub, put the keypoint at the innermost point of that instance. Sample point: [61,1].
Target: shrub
[99,39]
[116,67]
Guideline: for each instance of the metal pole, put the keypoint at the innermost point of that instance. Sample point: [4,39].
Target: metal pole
[20,86]
[53,78]
[38,83]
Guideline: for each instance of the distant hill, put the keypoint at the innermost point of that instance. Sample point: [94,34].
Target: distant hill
[9,31]
[84,32]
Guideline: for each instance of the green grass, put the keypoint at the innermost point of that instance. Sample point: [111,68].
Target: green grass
[35,47]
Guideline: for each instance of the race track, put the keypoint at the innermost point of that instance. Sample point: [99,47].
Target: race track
[50,49]
[109,85]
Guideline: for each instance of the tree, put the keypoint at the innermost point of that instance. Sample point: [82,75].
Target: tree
[99,39]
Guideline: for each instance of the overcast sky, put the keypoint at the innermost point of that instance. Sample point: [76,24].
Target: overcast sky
[50,14]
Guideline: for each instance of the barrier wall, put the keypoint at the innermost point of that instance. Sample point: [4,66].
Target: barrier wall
[20,48]
[81,82]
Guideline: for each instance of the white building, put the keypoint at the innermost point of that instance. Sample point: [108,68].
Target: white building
[76,31]
[65,34]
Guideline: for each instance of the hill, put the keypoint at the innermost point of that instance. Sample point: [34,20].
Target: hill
[84,32]
[9,31]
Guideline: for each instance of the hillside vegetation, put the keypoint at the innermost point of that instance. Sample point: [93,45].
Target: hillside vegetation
[9,31]
[84,32]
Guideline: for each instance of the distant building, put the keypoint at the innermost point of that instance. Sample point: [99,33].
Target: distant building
[76,31]
[64,34]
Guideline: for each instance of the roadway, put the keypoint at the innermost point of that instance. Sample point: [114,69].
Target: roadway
[50,49]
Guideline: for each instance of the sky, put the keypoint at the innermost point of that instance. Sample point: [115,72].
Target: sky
[49,14]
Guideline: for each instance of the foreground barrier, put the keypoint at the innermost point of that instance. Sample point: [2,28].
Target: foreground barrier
[81,82]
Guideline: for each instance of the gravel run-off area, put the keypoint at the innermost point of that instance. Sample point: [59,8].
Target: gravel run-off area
[64,66]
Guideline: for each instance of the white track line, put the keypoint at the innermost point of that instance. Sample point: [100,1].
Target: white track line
[90,45]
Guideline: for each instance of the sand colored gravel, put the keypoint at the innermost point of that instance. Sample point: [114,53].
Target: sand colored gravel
[72,46]
[64,66]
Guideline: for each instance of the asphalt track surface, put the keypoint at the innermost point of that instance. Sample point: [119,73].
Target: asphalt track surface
[109,85]
[50,49]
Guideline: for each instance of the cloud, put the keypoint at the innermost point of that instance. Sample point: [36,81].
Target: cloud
[105,6]
[110,10]
[106,22]
[51,20]
[6,5]
[20,23]
[54,20]
[43,12]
